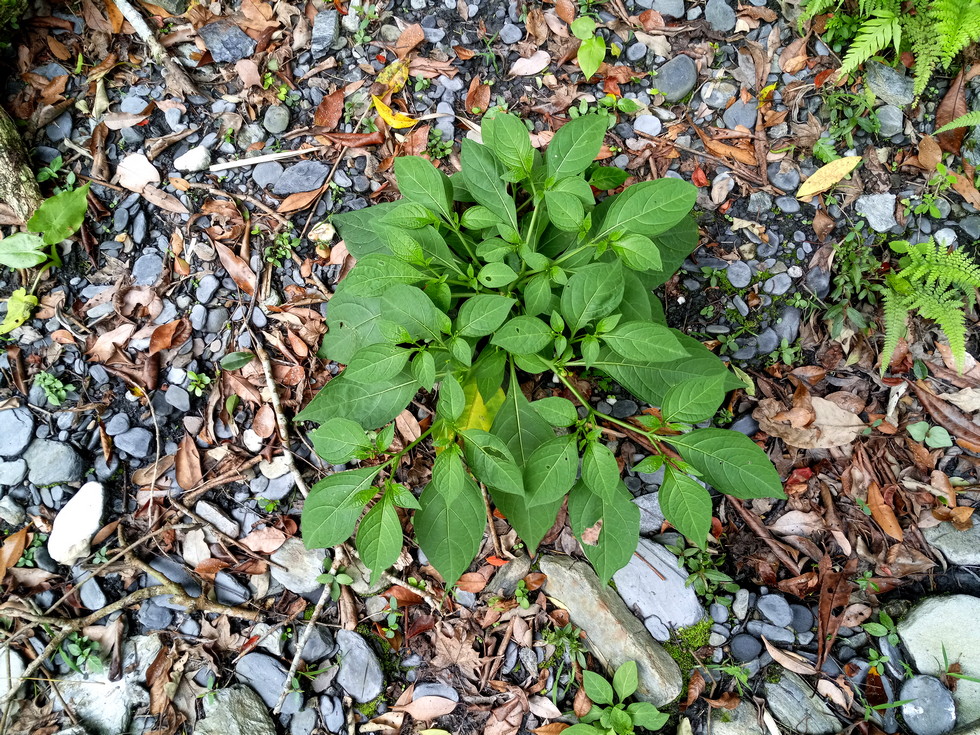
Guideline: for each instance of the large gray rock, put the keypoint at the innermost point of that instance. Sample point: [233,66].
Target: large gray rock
[267,676]
[614,633]
[16,430]
[930,709]
[878,209]
[947,622]
[76,524]
[889,85]
[226,41]
[654,585]
[676,78]
[299,566]
[360,673]
[236,710]
[326,26]
[792,701]
[50,462]
[743,720]
[303,176]
[959,547]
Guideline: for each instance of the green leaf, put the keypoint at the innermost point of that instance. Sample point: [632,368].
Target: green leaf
[523,335]
[449,528]
[591,53]
[410,308]
[491,461]
[531,522]
[371,405]
[730,462]
[626,680]
[488,372]
[575,146]
[694,400]
[19,308]
[581,729]
[918,430]
[583,28]
[236,360]
[420,181]
[507,137]
[462,350]
[556,410]
[551,469]
[375,274]
[687,505]
[376,363]
[538,297]
[938,437]
[638,252]
[60,216]
[577,186]
[424,370]
[22,250]
[600,471]
[448,472]
[402,497]
[480,218]
[410,215]
[483,175]
[598,689]
[353,323]
[452,401]
[496,275]
[565,210]
[337,440]
[333,507]
[645,341]
[379,537]
[620,530]
[608,177]
[648,208]
[519,426]
[358,228]
[591,293]
[647,716]
[483,314]
[876,629]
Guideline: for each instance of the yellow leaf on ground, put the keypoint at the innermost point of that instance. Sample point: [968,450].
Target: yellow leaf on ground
[394,76]
[826,176]
[394,119]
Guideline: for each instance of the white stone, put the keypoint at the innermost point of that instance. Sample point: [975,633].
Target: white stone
[217,518]
[947,622]
[300,566]
[196,159]
[76,523]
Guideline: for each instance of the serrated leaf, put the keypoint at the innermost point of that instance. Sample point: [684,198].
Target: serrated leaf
[645,341]
[575,146]
[523,335]
[337,439]
[333,507]
[648,208]
[556,410]
[687,505]
[826,176]
[376,362]
[491,461]
[730,462]
[450,529]
[591,293]
[22,250]
[379,537]
[482,314]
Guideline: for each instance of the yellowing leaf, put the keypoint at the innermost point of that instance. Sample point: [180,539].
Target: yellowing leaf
[826,176]
[394,119]
[476,413]
[394,76]
[765,94]
[19,308]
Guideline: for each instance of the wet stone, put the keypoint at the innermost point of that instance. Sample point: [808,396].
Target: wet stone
[677,77]
[745,647]
[510,34]
[719,15]
[147,269]
[226,41]
[889,85]
[929,709]
[878,210]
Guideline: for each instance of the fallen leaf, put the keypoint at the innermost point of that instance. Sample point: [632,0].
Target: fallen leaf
[169,335]
[827,176]
[248,72]
[264,423]
[832,426]
[394,119]
[477,97]
[135,171]
[883,513]
[410,38]
[794,57]
[930,154]
[952,107]
[264,540]
[823,224]
[841,694]
[694,688]
[967,399]
[187,463]
[961,517]
[552,728]
[789,660]
[300,200]
[963,186]
[544,708]
[565,10]
[12,549]
[329,111]
[534,64]
[237,268]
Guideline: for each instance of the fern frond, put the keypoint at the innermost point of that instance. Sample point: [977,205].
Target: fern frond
[876,34]
[957,26]
[947,311]
[896,324]
[969,120]
[813,8]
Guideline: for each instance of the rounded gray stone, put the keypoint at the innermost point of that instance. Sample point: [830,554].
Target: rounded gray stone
[16,431]
[676,78]
[930,709]
[739,274]
[51,462]
[276,119]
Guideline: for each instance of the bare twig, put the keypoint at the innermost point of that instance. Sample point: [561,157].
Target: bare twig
[177,80]
[255,160]
[762,532]
[300,645]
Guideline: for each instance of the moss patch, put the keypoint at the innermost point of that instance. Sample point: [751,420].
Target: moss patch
[684,642]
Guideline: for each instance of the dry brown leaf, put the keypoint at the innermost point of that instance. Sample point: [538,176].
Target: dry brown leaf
[12,549]
[264,540]
[952,107]
[855,614]
[169,335]
[552,728]
[454,647]
[237,268]
[187,463]
[789,660]
[967,399]
[961,517]
[794,57]
[264,423]
[463,53]
[727,700]
[163,200]
[965,188]
[477,97]
[537,26]
[428,708]
[534,64]
[506,719]
[410,38]
[565,10]
[883,513]
[248,72]
[105,346]
[930,154]
[299,201]
[798,523]
[329,111]
[694,688]
[823,224]
[840,693]
[472,582]
[544,708]
[832,426]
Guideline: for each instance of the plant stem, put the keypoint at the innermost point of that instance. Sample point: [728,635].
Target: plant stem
[410,447]
[605,417]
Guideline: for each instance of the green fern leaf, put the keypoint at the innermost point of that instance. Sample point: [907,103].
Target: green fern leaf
[876,34]
[969,120]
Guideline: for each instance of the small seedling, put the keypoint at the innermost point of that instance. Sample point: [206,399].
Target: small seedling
[392,618]
[81,654]
[740,675]
[521,594]
[609,713]
[199,383]
[884,628]
[336,581]
[55,391]
[865,581]
[592,50]
[27,558]
[935,437]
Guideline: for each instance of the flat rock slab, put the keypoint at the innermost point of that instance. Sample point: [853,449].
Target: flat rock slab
[615,634]
[743,720]
[654,586]
[929,707]
[792,701]
[948,622]
[236,710]
[959,547]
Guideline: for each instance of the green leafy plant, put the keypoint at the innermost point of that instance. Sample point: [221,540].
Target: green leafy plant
[884,628]
[522,595]
[336,581]
[81,654]
[937,284]
[27,558]
[53,171]
[57,219]
[935,437]
[610,713]
[705,574]
[740,675]
[592,49]
[55,391]
[935,31]
[198,383]
[281,247]
[508,274]
[865,581]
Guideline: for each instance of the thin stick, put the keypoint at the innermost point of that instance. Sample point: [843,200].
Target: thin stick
[177,80]
[497,548]
[300,645]
[762,532]
[244,197]
[255,160]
